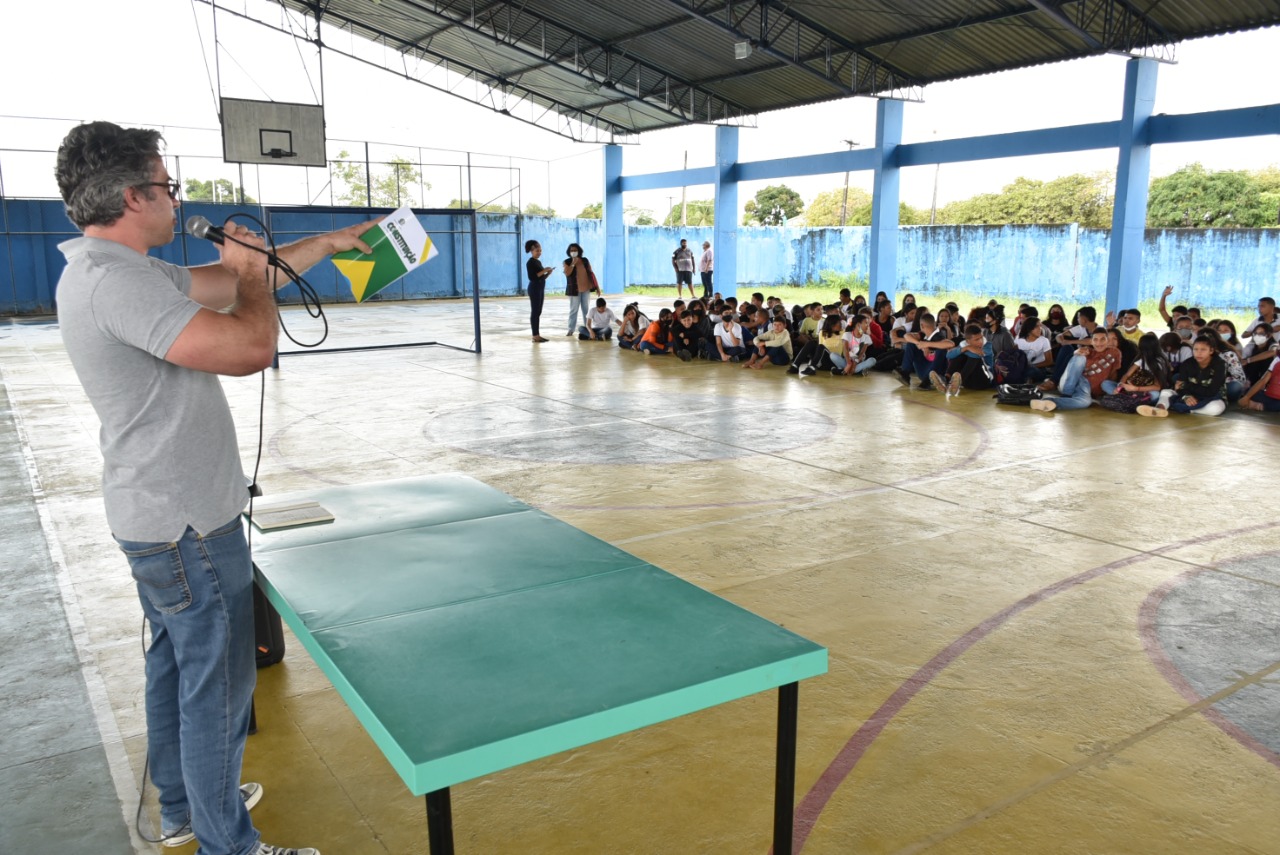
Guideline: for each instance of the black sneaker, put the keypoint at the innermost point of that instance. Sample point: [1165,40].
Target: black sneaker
[904,379]
[734,359]
[836,372]
[793,370]
[685,356]
[808,371]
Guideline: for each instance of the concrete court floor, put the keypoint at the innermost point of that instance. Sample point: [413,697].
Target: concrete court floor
[1048,633]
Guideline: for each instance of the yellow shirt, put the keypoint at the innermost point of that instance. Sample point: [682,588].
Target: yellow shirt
[1132,336]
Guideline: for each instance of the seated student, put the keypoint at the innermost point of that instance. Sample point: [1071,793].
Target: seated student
[1197,387]
[901,326]
[757,299]
[772,347]
[970,365]
[1035,344]
[677,309]
[757,324]
[726,344]
[845,303]
[859,303]
[1266,315]
[657,336]
[1150,373]
[924,354]
[1128,349]
[1236,381]
[1082,379]
[686,338]
[997,333]
[949,325]
[706,329]
[1055,323]
[1175,348]
[818,354]
[631,327]
[599,325]
[1080,332]
[1126,324]
[1227,330]
[1178,311]
[908,303]
[1259,348]
[1184,328]
[857,344]
[1265,393]
[808,331]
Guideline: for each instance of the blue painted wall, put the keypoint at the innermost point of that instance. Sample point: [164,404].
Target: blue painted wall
[1215,267]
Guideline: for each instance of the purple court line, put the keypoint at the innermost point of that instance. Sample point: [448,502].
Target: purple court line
[815,801]
[984,440]
[1156,652]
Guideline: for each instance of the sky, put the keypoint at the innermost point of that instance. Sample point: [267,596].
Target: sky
[156,66]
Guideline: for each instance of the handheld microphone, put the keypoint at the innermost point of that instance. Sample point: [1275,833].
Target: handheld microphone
[200,227]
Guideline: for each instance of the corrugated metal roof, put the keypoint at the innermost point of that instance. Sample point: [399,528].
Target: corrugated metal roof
[627,66]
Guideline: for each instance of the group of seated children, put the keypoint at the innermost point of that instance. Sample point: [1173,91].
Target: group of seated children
[1198,366]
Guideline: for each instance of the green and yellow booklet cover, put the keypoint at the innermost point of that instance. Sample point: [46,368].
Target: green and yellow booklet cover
[399,245]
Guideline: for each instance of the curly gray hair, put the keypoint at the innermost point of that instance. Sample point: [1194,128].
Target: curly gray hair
[97,162]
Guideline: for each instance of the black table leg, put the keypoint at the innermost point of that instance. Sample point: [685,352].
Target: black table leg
[784,794]
[439,822]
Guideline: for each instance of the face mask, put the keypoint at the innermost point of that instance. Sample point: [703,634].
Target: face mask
[1223,335]
[1260,340]
[1129,329]
[573,255]
[1184,334]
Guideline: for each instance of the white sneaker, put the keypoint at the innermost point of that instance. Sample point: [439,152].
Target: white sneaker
[1150,411]
[268,849]
[251,793]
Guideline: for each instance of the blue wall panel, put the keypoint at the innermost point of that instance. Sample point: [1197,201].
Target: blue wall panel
[1067,264]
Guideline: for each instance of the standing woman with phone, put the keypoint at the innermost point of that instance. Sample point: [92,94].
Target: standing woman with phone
[537,285]
[580,281]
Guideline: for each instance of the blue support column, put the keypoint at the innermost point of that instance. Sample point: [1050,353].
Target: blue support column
[884,201]
[1133,175]
[614,263]
[725,241]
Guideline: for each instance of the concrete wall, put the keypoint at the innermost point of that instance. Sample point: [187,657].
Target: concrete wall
[1214,267]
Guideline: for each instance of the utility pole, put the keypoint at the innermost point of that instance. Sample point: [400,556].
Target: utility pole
[933,208]
[684,194]
[844,203]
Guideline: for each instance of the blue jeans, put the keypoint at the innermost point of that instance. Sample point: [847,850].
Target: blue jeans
[603,334]
[916,361]
[650,347]
[580,303]
[1074,392]
[777,355]
[197,595]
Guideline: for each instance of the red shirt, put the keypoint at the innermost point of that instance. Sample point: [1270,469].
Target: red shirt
[1099,365]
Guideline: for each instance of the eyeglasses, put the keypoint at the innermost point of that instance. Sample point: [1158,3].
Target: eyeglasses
[173,187]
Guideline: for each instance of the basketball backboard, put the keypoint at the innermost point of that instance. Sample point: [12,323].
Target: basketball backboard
[272,132]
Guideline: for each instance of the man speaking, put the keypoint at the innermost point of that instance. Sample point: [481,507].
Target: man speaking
[147,340]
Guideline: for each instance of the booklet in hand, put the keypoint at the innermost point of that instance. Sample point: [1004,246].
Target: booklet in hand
[399,245]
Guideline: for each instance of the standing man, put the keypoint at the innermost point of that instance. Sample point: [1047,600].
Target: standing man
[682,263]
[147,340]
[706,266]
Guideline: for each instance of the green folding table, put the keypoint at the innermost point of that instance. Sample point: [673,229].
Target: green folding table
[469,633]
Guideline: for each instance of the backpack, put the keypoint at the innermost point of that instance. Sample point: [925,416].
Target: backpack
[1011,367]
[1020,395]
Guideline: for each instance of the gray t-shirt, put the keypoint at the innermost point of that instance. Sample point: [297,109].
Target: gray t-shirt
[170,456]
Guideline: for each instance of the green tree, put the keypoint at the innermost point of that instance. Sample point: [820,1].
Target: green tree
[1194,197]
[486,208]
[773,206]
[1078,198]
[702,212]
[594,211]
[217,190]
[395,183]
[533,209]
[824,210]
[907,215]
[1269,186]
[640,216]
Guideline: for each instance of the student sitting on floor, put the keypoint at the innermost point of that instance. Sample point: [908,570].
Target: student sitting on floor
[686,339]
[631,327]
[1258,351]
[857,343]
[997,333]
[1236,382]
[657,336]
[1147,377]
[772,347]
[1265,394]
[726,342]
[1176,350]
[1198,386]
[817,354]
[1035,344]
[924,354]
[971,365]
[1082,378]
[808,331]
[600,321]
